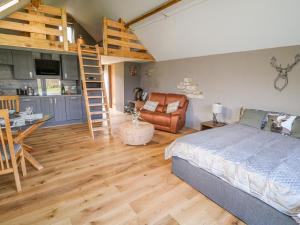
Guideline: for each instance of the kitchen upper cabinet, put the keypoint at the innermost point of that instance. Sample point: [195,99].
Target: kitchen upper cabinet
[74,107]
[33,102]
[5,57]
[23,65]
[70,69]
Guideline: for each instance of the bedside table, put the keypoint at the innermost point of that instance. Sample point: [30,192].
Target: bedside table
[210,125]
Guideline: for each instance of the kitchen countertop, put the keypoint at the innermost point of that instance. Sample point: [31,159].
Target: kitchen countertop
[26,96]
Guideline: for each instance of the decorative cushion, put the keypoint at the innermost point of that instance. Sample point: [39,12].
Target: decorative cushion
[17,148]
[280,123]
[172,107]
[253,118]
[150,106]
[296,128]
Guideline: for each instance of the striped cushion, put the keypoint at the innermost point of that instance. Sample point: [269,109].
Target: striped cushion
[150,106]
[172,107]
[17,148]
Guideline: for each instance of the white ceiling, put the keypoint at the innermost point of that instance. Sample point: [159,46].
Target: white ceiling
[197,27]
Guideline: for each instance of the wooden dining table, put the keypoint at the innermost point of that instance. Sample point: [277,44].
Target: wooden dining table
[22,131]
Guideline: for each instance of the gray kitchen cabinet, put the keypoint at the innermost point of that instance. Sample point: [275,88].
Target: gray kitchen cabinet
[74,107]
[84,116]
[33,102]
[6,57]
[60,108]
[55,106]
[70,68]
[23,65]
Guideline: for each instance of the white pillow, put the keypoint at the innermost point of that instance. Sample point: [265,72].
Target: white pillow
[172,107]
[150,106]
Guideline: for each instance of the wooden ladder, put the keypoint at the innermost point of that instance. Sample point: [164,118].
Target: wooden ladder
[96,101]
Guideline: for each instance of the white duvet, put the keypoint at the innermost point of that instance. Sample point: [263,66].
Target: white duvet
[261,163]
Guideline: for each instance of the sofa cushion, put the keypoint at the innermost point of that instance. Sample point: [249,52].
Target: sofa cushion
[176,97]
[150,106]
[162,119]
[158,97]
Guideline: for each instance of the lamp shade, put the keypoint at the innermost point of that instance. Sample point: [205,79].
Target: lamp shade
[217,108]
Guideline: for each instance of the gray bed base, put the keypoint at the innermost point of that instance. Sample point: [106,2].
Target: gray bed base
[244,206]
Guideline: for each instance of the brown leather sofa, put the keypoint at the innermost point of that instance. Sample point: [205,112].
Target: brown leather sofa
[171,122]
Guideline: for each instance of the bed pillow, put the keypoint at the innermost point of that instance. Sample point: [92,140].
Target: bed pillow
[280,123]
[253,118]
[296,128]
[150,106]
[172,107]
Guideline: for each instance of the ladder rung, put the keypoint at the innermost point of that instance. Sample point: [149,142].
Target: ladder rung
[92,74]
[94,89]
[99,120]
[94,81]
[100,128]
[97,96]
[87,46]
[93,66]
[97,104]
[89,51]
[89,58]
[99,113]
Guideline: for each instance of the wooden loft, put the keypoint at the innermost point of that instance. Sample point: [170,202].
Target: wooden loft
[120,41]
[44,27]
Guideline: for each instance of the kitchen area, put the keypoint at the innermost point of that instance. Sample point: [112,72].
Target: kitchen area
[48,82]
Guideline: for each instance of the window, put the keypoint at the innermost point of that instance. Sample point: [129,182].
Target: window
[70,34]
[53,86]
[7,3]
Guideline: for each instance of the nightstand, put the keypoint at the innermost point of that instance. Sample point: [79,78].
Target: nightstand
[210,124]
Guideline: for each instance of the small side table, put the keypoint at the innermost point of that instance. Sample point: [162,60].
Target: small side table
[210,125]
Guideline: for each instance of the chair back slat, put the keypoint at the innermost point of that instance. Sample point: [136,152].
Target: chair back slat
[10,102]
[7,153]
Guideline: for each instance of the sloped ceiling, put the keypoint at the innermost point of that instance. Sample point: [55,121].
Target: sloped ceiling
[197,27]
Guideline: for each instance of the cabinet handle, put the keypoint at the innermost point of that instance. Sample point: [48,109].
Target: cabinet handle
[51,101]
[55,101]
[74,97]
[66,75]
[30,74]
[26,100]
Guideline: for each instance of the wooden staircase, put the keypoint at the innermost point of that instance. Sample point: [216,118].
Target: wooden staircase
[96,100]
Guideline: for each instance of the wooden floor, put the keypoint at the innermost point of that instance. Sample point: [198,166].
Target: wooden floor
[103,182]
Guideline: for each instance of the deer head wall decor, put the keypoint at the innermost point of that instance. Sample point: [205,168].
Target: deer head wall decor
[283,72]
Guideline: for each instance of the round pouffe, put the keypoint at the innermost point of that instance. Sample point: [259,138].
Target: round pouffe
[136,134]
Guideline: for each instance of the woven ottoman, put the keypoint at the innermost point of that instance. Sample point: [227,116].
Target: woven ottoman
[140,134]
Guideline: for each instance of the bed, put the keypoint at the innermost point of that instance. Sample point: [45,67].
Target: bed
[252,173]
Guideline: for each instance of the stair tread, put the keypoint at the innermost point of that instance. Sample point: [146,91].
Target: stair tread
[93,66]
[95,89]
[99,112]
[97,104]
[89,51]
[90,58]
[99,120]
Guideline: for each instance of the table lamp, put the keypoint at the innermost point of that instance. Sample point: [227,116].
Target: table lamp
[216,109]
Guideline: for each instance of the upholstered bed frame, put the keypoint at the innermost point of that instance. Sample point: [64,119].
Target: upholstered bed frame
[244,206]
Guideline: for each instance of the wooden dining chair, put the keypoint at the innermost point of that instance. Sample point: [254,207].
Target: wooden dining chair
[10,102]
[11,154]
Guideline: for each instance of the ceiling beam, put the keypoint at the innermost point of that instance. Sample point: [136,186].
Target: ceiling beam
[158,9]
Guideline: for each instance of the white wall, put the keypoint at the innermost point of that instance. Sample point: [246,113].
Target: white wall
[118,87]
[235,80]
[207,27]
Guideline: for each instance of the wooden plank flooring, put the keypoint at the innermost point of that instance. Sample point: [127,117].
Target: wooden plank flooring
[103,182]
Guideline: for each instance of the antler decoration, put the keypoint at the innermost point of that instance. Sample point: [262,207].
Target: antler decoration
[283,72]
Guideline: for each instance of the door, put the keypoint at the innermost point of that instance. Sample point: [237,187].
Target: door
[74,107]
[33,102]
[23,65]
[47,106]
[59,108]
[70,70]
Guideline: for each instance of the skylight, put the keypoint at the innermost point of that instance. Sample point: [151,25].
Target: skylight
[6,4]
